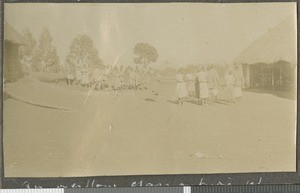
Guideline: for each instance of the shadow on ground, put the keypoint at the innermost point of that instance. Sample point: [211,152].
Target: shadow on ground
[149,100]
[176,102]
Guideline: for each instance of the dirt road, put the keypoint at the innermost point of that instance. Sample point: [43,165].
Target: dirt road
[133,133]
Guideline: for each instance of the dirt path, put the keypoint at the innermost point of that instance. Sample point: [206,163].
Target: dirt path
[131,133]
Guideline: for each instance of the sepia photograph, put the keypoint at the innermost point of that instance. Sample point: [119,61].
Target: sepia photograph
[118,89]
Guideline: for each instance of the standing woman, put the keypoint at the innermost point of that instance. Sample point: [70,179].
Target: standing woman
[209,84]
[215,79]
[230,81]
[204,92]
[181,87]
[197,86]
[190,83]
[239,83]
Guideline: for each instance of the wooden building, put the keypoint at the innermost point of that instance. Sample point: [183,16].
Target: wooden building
[12,68]
[271,60]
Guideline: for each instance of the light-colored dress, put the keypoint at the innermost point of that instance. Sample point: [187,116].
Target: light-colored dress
[215,82]
[230,80]
[239,81]
[215,76]
[181,86]
[204,92]
[190,85]
[209,79]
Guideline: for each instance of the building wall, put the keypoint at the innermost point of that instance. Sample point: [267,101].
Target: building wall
[277,76]
[12,67]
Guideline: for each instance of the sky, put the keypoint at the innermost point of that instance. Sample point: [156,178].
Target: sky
[182,33]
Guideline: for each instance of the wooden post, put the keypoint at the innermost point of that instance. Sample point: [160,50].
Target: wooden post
[280,77]
[273,80]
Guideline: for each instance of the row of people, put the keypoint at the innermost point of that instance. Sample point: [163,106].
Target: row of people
[205,85]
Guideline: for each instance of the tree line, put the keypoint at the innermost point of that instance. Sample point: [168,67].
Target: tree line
[41,55]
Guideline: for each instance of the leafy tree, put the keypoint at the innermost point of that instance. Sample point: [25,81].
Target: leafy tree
[83,54]
[146,54]
[45,58]
[26,51]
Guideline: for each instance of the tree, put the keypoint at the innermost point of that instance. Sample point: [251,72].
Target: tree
[146,54]
[26,51]
[45,58]
[83,54]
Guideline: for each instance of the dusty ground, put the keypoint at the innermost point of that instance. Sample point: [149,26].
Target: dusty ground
[131,133]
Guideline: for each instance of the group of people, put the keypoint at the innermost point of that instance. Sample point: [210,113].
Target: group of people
[205,85]
[115,78]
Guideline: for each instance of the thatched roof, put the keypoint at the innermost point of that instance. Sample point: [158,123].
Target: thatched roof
[279,43]
[12,35]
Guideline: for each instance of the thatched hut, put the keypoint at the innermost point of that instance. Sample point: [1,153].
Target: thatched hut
[12,41]
[271,60]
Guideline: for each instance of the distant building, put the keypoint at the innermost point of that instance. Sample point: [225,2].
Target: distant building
[12,67]
[271,60]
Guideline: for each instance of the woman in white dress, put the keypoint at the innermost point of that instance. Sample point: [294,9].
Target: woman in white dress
[215,83]
[230,80]
[190,83]
[239,83]
[181,87]
[204,92]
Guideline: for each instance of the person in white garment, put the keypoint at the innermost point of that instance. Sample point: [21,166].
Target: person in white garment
[181,87]
[203,87]
[239,83]
[215,83]
[190,83]
[230,81]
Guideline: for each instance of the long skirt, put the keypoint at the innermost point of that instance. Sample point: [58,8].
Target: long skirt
[204,92]
[237,91]
[181,90]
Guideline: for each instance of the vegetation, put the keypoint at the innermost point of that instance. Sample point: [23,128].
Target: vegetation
[146,54]
[45,58]
[83,54]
